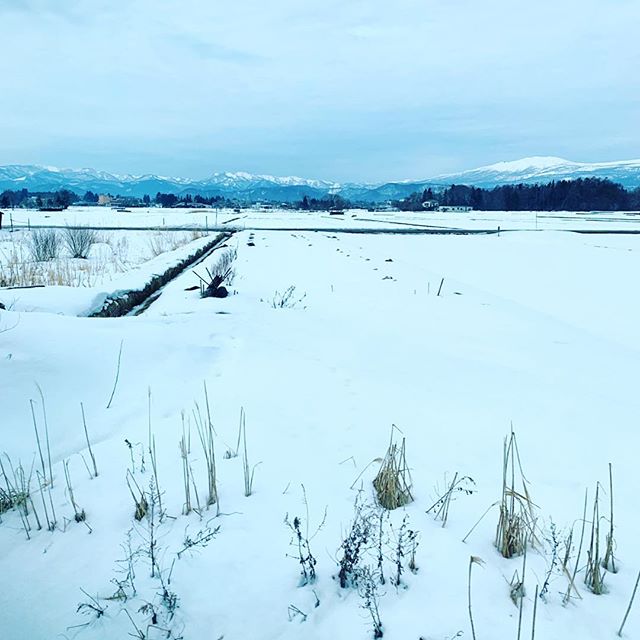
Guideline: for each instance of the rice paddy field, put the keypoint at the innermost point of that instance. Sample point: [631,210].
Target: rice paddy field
[375,434]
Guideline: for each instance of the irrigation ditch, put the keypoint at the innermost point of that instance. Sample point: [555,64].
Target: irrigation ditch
[136,301]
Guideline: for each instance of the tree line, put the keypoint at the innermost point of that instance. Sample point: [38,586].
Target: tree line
[24,198]
[322,204]
[583,194]
[64,198]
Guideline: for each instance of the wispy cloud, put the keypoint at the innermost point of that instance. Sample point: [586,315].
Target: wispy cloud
[207,49]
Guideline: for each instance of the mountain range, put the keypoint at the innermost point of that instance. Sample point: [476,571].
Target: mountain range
[250,187]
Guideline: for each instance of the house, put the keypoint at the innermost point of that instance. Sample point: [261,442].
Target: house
[430,205]
[104,200]
[456,208]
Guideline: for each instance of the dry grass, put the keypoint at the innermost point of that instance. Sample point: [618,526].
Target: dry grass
[19,268]
[393,482]
[609,561]
[162,241]
[516,524]
[595,572]
[206,433]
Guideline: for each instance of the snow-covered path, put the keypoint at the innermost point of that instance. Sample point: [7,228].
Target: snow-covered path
[534,329]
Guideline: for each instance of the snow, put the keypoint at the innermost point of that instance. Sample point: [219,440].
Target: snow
[535,162]
[121,261]
[534,329]
[352,220]
[544,169]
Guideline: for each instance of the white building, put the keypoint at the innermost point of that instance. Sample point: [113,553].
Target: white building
[454,208]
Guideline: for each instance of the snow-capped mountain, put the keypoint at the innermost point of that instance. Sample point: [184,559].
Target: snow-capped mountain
[250,187]
[241,180]
[233,185]
[544,169]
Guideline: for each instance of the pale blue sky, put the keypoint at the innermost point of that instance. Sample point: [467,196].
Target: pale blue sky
[346,90]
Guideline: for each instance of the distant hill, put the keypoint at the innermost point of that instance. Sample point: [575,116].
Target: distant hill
[542,169]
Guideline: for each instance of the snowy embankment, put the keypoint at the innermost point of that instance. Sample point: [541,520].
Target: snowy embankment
[515,337]
[118,295]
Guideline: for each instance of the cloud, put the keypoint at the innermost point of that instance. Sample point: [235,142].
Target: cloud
[357,90]
[210,50]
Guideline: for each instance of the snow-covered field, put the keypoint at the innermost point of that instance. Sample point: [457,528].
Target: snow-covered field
[534,330]
[355,219]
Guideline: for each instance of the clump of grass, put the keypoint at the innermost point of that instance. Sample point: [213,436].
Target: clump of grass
[516,523]
[44,245]
[187,473]
[287,299]
[139,498]
[224,266]
[162,241]
[393,482]
[206,434]
[18,494]
[594,574]
[78,241]
[572,576]
[464,485]
[78,513]
[247,470]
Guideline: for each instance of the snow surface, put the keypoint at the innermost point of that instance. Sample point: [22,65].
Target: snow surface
[273,218]
[538,330]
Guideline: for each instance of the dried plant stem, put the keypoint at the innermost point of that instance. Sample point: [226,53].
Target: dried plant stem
[472,560]
[206,435]
[480,519]
[609,561]
[46,432]
[78,513]
[626,615]
[248,479]
[86,435]
[520,608]
[115,384]
[154,458]
[35,428]
[51,522]
[185,470]
[535,610]
[572,578]
[141,503]
[594,577]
